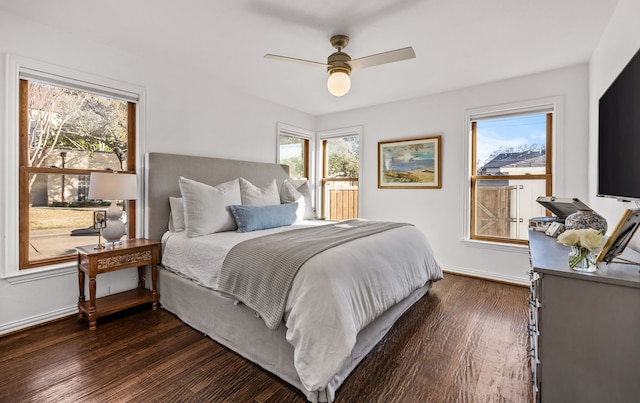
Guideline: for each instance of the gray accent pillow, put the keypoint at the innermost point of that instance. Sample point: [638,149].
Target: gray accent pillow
[253,218]
[253,195]
[290,194]
[206,208]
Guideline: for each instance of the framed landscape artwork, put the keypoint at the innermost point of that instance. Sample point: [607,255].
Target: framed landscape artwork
[410,164]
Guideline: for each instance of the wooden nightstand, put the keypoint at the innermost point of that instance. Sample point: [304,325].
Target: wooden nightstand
[132,252]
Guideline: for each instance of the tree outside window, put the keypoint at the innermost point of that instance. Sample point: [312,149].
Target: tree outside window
[343,157]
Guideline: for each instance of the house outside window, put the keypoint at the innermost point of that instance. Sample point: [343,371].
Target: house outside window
[67,129]
[511,166]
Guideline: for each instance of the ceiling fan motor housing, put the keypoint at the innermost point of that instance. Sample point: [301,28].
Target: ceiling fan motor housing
[338,61]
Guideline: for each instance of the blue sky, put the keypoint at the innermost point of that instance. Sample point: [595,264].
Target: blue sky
[509,132]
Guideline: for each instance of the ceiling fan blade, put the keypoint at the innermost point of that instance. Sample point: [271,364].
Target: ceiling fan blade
[382,58]
[294,60]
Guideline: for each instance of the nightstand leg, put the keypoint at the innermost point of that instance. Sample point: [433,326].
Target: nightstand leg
[154,286]
[92,304]
[140,276]
[81,291]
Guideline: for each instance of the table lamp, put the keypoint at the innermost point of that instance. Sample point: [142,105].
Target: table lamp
[113,186]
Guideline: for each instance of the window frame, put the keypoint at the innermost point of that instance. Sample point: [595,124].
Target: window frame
[10,226]
[26,170]
[552,106]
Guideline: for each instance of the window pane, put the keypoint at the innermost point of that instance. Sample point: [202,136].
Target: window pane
[292,154]
[60,217]
[75,129]
[503,207]
[513,145]
[342,157]
[56,190]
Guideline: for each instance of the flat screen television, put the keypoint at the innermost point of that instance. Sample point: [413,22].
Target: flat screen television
[619,135]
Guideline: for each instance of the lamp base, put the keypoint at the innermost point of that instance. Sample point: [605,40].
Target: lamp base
[115,228]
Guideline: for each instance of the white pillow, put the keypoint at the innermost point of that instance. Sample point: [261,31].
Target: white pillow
[176,216]
[206,208]
[301,206]
[253,195]
[290,194]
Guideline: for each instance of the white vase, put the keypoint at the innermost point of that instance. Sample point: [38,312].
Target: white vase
[581,259]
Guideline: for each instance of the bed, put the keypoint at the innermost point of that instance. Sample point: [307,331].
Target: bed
[324,328]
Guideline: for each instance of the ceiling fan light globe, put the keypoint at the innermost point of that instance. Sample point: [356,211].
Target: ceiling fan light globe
[338,83]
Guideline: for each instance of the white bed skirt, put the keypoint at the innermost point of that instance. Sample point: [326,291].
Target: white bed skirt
[238,328]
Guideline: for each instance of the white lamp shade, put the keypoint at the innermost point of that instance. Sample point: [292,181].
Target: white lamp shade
[338,83]
[112,186]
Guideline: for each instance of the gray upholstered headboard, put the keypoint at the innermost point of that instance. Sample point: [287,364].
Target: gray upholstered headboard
[163,170]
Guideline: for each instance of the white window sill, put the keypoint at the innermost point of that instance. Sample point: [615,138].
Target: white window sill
[24,276]
[503,247]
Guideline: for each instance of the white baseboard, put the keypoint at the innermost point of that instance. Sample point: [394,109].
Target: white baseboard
[524,280]
[38,319]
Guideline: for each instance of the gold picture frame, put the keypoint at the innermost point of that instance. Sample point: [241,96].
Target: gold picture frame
[410,164]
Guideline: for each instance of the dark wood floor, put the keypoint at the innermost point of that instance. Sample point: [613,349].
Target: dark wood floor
[464,342]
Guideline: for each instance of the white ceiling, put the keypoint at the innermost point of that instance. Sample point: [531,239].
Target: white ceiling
[458,43]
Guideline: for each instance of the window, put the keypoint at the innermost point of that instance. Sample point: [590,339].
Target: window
[67,129]
[510,168]
[334,178]
[340,156]
[294,150]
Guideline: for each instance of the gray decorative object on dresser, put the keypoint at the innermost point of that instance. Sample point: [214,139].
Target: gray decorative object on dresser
[587,218]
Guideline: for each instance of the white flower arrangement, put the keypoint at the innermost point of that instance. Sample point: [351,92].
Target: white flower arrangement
[585,242]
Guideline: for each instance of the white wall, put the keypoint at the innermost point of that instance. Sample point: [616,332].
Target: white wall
[620,41]
[440,212]
[185,113]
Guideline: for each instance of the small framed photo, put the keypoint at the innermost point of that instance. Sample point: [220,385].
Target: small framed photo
[410,164]
[100,219]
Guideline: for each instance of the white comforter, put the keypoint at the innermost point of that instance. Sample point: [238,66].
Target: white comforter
[334,295]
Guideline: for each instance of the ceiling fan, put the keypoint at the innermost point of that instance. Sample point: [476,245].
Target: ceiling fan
[339,64]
